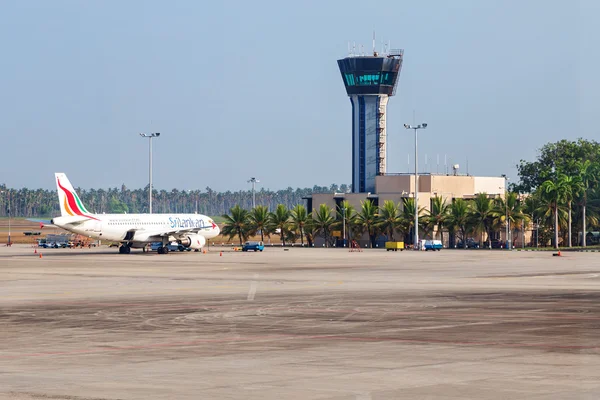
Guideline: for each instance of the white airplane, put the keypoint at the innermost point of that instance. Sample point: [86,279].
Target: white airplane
[131,230]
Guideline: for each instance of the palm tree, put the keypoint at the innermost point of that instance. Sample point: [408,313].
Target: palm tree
[309,230]
[280,219]
[322,222]
[555,192]
[367,219]
[407,217]
[589,174]
[530,208]
[545,212]
[460,218]
[236,223]
[259,221]
[574,186]
[508,210]
[299,217]
[437,216]
[481,215]
[389,218]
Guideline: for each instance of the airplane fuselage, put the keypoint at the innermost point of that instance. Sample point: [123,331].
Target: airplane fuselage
[137,228]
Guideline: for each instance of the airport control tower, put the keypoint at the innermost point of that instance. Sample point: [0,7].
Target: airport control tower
[370,81]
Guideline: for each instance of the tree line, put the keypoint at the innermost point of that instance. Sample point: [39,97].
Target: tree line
[562,189]
[44,203]
[460,218]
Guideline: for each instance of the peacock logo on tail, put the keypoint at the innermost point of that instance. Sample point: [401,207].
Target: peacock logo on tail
[70,203]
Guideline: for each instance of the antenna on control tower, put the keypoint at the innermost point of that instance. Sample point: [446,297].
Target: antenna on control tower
[374,52]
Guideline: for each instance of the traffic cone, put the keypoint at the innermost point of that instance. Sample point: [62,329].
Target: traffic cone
[559,253]
[34,251]
[40,255]
[221,254]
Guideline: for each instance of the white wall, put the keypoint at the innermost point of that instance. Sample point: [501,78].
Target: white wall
[489,185]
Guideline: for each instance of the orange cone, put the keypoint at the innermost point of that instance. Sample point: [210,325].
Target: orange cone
[40,255]
[35,251]
[559,252]
[221,254]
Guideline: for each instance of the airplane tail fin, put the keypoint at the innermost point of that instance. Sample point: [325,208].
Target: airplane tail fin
[70,203]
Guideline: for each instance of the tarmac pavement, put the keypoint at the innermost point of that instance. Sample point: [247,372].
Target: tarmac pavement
[299,324]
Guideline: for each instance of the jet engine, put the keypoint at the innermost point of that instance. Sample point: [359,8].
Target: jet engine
[195,242]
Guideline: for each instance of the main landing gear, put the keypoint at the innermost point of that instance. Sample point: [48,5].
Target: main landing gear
[163,250]
[124,249]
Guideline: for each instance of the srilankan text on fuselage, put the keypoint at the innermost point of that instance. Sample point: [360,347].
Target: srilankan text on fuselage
[177,222]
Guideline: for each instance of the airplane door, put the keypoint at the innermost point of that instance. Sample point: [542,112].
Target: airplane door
[97,227]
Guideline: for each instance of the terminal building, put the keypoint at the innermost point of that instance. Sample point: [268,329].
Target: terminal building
[396,187]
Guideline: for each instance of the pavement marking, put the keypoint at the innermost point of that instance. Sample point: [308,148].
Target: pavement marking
[252,290]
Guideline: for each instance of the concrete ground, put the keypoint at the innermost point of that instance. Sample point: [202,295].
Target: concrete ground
[299,324]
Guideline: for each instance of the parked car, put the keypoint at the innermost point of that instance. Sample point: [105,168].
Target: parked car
[498,244]
[433,245]
[256,246]
[471,244]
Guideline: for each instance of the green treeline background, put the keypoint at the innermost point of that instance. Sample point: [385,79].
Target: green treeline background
[44,203]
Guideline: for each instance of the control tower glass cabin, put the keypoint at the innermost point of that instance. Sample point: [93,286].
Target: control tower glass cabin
[369,81]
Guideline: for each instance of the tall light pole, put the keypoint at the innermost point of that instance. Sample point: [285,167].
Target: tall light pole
[253,180]
[506,178]
[344,226]
[416,127]
[150,136]
[9,244]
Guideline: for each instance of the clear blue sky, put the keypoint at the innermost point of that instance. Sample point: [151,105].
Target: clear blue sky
[241,89]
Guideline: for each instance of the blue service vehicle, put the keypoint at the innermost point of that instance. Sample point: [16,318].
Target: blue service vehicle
[171,246]
[433,245]
[256,246]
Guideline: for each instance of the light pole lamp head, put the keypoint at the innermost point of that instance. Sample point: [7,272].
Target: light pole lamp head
[407,126]
[424,125]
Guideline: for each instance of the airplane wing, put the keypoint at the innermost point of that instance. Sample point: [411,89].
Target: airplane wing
[142,235]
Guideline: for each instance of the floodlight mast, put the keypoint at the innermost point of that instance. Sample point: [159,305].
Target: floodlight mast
[508,239]
[253,180]
[416,127]
[150,136]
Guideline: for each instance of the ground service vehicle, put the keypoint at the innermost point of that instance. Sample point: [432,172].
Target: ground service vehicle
[433,245]
[394,246]
[256,246]
[171,246]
